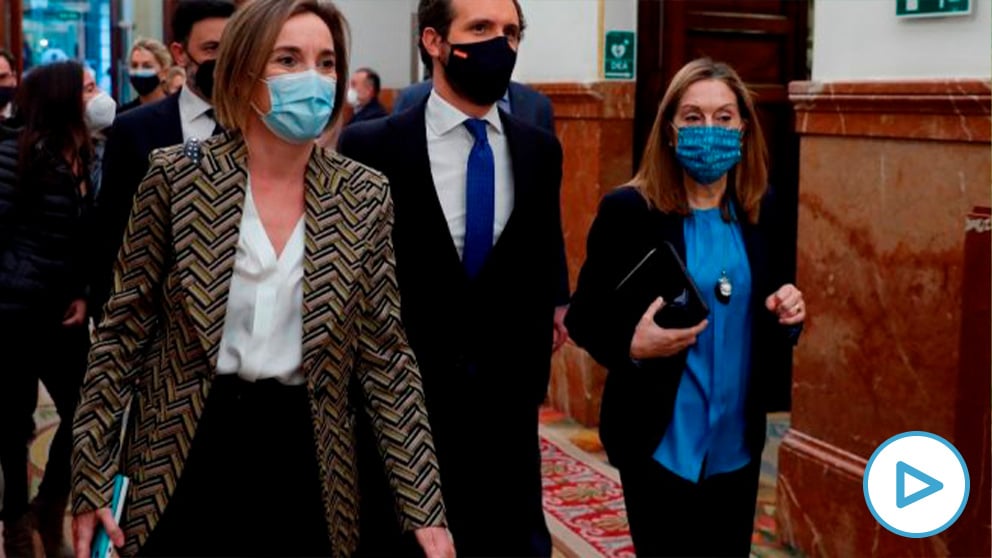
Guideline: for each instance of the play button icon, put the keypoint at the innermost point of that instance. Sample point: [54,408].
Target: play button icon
[930,484]
[916,484]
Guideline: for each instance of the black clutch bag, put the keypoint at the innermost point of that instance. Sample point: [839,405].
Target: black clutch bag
[661,272]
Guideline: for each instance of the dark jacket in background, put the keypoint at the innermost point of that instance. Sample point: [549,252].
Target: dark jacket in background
[44,234]
[371,111]
[125,161]
[527,104]
[130,105]
[638,400]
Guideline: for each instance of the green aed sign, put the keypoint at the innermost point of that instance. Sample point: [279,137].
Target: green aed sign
[618,60]
[932,8]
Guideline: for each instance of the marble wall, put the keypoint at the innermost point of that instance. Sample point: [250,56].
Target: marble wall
[889,173]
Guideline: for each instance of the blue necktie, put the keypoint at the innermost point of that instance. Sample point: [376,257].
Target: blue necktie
[480,199]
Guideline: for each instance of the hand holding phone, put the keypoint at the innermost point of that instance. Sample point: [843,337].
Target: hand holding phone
[84,526]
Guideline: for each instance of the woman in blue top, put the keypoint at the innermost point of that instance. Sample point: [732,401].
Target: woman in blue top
[683,414]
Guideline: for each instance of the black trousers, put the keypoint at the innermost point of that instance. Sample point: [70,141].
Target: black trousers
[490,462]
[670,516]
[250,485]
[55,355]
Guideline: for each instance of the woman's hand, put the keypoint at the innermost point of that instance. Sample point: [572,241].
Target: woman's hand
[652,341]
[436,542]
[84,527]
[787,303]
[75,314]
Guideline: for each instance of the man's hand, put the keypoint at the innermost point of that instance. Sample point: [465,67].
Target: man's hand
[652,341]
[436,542]
[84,528]
[561,332]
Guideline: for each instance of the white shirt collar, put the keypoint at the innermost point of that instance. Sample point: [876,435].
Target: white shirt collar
[191,106]
[443,117]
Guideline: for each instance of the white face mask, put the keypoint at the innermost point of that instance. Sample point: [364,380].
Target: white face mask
[100,112]
[352,97]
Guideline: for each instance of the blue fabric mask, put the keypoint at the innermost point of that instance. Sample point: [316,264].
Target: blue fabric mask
[708,152]
[302,103]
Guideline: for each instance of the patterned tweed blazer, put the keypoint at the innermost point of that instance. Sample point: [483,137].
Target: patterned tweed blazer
[156,349]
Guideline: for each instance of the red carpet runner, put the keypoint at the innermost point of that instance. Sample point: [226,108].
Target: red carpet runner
[583,502]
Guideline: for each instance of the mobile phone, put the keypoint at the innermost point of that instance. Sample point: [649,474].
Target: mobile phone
[102,546]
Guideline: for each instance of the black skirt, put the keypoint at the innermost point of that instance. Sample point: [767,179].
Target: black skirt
[251,485]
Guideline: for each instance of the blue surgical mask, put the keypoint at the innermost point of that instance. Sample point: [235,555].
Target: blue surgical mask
[302,103]
[708,152]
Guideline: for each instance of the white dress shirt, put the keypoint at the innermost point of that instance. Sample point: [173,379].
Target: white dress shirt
[448,144]
[193,115]
[263,323]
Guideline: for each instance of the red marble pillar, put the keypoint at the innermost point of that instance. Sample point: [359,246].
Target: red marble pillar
[594,123]
[888,171]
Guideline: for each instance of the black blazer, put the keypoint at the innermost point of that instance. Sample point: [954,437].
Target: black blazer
[526,104]
[500,323]
[638,400]
[131,140]
[44,230]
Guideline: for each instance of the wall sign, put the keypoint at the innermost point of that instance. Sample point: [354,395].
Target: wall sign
[618,60]
[932,8]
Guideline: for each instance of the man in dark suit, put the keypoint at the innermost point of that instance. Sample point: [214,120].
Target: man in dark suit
[197,27]
[532,107]
[477,235]
[363,95]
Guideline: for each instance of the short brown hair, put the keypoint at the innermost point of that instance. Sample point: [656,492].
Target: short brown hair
[247,43]
[660,176]
[438,15]
[156,48]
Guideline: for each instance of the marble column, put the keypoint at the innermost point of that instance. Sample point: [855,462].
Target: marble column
[889,172]
[595,124]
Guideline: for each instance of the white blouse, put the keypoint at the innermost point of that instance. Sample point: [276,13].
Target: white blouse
[263,323]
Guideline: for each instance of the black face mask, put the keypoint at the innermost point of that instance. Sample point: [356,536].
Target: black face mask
[144,84]
[7,94]
[480,72]
[203,77]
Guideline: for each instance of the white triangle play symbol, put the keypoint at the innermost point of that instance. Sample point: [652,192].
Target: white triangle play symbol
[914,485]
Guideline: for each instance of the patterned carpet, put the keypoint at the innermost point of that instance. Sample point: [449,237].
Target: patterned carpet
[583,500]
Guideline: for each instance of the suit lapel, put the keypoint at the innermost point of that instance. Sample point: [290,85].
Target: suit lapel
[207,226]
[522,163]
[415,186]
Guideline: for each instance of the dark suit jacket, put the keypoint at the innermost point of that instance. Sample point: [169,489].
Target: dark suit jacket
[483,345]
[453,322]
[370,111]
[638,399]
[131,140]
[534,108]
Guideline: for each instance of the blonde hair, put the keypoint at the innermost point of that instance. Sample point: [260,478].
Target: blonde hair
[156,48]
[247,43]
[175,71]
[660,177]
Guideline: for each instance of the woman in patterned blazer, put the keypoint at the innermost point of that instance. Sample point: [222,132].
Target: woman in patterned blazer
[254,307]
